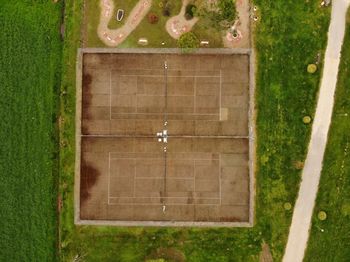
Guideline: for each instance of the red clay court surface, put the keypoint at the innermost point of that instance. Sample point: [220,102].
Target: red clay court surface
[203,176]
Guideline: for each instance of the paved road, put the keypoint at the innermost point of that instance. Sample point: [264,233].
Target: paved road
[301,222]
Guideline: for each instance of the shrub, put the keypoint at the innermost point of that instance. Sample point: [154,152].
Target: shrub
[322,215]
[220,14]
[166,8]
[287,206]
[311,68]
[166,12]
[306,119]
[153,18]
[190,10]
[188,41]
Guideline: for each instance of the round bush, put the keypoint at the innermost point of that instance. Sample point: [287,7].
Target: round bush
[287,206]
[307,119]
[322,215]
[311,68]
[153,18]
[188,41]
[190,10]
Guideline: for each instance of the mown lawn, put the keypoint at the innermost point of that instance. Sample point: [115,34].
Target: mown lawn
[333,244]
[30,60]
[288,37]
[155,33]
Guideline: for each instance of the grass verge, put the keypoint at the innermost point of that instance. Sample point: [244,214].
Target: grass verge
[286,42]
[30,77]
[72,41]
[329,239]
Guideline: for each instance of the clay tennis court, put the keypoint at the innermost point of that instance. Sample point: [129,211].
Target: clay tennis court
[164,137]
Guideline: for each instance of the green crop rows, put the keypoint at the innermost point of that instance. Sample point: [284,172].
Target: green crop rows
[29,79]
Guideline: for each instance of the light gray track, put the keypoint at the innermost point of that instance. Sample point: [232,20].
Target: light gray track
[301,221]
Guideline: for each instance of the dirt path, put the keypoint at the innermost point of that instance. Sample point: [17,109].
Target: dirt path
[265,254]
[116,36]
[301,221]
[177,25]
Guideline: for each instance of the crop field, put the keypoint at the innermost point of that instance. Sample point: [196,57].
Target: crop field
[30,77]
[333,196]
[286,41]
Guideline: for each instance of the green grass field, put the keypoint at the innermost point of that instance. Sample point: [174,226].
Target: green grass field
[333,244]
[30,77]
[155,33]
[288,37]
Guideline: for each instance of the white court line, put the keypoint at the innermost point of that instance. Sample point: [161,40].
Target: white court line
[206,120]
[153,158]
[220,95]
[191,178]
[131,136]
[194,175]
[220,179]
[110,95]
[197,198]
[134,193]
[160,76]
[136,108]
[195,94]
[151,95]
[109,175]
[174,70]
[168,178]
[158,177]
[168,204]
[158,113]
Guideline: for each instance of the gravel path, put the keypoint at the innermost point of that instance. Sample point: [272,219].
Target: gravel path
[301,221]
[116,36]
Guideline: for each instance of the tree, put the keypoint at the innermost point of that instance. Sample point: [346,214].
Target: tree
[190,11]
[220,14]
[153,18]
[188,41]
